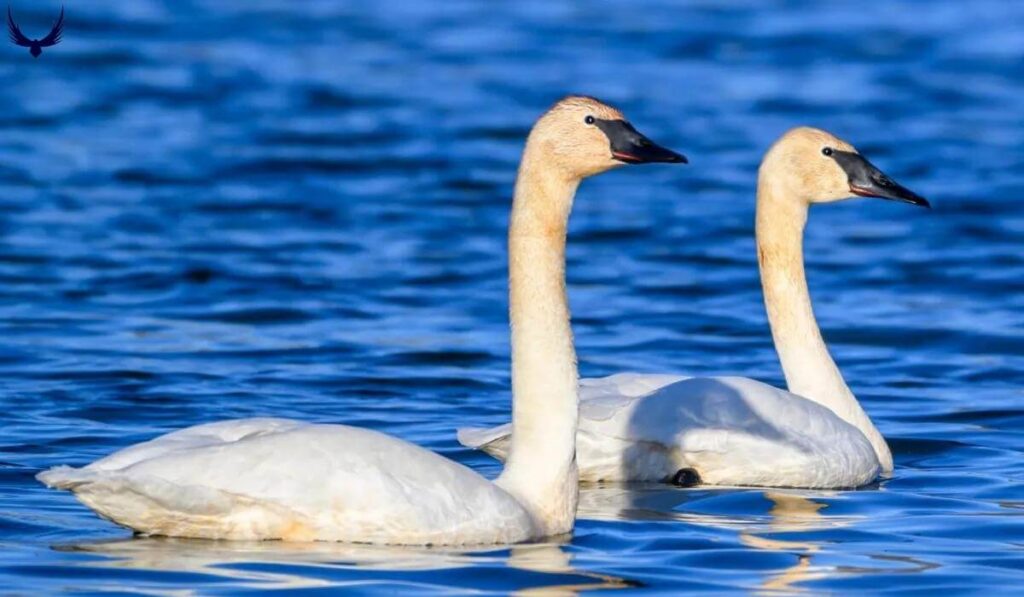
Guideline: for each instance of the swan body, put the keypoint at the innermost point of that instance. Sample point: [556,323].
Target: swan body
[252,479]
[733,431]
[737,431]
[257,479]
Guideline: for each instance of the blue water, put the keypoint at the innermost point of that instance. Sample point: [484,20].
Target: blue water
[214,209]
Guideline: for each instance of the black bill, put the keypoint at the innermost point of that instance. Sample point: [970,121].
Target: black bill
[631,147]
[868,181]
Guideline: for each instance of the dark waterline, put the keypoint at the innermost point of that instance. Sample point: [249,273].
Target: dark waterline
[214,209]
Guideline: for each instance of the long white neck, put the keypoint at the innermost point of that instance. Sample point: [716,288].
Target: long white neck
[541,468]
[809,369]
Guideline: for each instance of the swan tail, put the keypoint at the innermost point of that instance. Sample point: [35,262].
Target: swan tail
[64,477]
[495,440]
[153,506]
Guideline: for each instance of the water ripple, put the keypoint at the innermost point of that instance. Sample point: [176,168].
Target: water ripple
[222,209]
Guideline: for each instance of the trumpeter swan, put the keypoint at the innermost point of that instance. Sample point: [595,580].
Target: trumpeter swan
[281,479]
[737,431]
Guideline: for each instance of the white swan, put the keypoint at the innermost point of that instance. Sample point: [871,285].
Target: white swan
[737,431]
[280,479]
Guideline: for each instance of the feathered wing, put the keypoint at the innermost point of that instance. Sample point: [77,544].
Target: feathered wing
[733,431]
[54,37]
[17,37]
[254,479]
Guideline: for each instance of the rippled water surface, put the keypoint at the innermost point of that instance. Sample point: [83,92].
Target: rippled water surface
[214,208]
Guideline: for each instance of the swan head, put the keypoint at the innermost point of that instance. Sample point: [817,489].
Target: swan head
[818,167]
[581,136]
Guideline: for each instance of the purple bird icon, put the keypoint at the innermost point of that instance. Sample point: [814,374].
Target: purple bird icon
[35,46]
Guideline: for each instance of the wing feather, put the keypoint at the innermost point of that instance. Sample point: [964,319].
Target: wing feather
[17,37]
[54,37]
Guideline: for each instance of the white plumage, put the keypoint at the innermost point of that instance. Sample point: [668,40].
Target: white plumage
[737,431]
[274,478]
[280,479]
[731,430]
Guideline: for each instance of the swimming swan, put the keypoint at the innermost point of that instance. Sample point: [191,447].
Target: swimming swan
[254,479]
[737,431]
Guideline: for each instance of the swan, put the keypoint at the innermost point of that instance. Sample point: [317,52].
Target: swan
[268,478]
[738,431]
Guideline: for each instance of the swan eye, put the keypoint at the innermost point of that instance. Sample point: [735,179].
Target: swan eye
[589,119]
[827,151]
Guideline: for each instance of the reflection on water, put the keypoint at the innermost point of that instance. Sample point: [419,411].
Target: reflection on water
[774,510]
[791,512]
[788,526]
[312,565]
[551,566]
[553,559]
[277,565]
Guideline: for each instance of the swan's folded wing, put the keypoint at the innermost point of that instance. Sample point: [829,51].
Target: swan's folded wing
[197,436]
[327,482]
[733,431]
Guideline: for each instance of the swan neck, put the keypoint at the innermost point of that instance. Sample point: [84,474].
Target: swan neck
[806,362]
[541,469]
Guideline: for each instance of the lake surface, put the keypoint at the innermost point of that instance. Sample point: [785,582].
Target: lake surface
[214,209]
